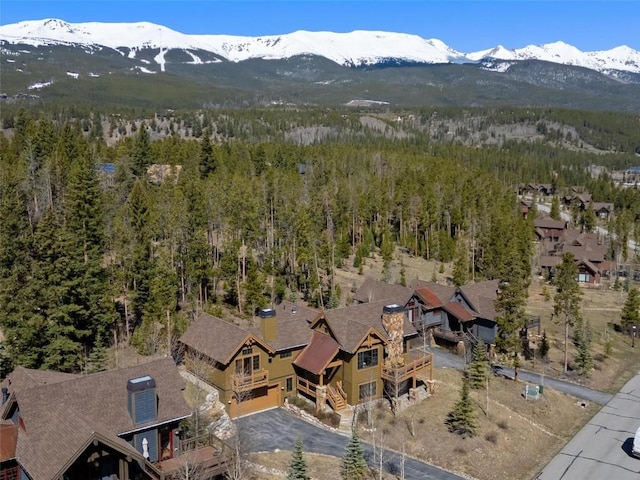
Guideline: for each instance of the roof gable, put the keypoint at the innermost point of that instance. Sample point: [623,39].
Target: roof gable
[318,354]
[218,339]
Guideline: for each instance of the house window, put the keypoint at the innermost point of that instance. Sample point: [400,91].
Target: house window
[247,351]
[10,473]
[285,354]
[368,358]
[288,384]
[247,365]
[367,391]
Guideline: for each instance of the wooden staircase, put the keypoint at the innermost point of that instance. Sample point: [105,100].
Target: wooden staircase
[336,399]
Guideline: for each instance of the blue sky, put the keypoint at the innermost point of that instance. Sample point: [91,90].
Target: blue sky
[464,25]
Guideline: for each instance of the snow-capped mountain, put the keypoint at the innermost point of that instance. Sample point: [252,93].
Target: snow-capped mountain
[620,58]
[357,48]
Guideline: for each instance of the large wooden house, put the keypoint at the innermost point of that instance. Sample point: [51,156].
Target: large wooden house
[335,357]
[120,424]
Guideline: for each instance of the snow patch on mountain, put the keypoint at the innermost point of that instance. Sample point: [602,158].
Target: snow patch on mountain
[39,85]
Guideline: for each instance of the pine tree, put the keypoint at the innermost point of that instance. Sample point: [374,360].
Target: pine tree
[354,466]
[584,360]
[97,361]
[544,346]
[462,419]
[567,298]
[479,367]
[555,208]
[460,264]
[141,154]
[208,162]
[631,311]
[298,466]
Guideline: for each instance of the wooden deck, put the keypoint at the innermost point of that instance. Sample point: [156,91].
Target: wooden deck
[204,455]
[409,370]
[209,460]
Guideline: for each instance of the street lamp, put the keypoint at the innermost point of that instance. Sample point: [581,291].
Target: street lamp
[633,336]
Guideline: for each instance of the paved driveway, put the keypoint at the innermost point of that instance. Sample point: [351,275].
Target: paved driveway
[277,429]
[602,449]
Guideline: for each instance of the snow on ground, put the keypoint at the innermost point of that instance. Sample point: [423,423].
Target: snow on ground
[159,59]
[195,59]
[95,75]
[38,86]
[143,69]
[73,75]
[496,66]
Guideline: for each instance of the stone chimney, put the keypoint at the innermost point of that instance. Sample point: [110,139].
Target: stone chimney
[268,324]
[393,323]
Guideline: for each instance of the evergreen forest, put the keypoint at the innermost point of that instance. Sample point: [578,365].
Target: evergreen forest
[120,227]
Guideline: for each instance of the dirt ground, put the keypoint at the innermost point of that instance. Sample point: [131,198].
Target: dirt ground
[516,437]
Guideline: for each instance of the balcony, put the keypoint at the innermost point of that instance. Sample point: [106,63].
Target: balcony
[205,454]
[410,369]
[243,382]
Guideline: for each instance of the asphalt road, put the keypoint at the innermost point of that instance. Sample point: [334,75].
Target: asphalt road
[443,358]
[602,449]
[277,429]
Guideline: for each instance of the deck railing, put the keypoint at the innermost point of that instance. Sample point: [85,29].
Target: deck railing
[409,369]
[241,382]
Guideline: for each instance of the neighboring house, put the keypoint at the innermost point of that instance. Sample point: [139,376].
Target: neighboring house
[525,207]
[335,357]
[465,313]
[251,368]
[602,209]
[450,314]
[119,424]
[589,253]
[548,229]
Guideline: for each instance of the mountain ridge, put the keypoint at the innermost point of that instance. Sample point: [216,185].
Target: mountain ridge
[358,48]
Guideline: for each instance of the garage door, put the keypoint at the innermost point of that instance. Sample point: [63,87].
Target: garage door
[258,400]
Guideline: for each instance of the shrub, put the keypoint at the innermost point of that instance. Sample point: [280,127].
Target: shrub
[503,424]
[492,437]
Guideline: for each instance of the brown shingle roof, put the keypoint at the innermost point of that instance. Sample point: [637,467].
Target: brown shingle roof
[351,324]
[375,291]
[549,223]
[482,296]
[217,338]
[22,378]
[292,326]
[102,397]
[60,419]
[54,438]
[318,354]
[457,310]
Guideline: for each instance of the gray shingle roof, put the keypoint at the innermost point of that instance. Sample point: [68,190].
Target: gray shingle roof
[376,291]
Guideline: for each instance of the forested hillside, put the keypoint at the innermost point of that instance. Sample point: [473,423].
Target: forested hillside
[98,247]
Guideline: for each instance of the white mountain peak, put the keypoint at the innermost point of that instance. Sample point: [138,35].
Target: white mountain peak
[356,48]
